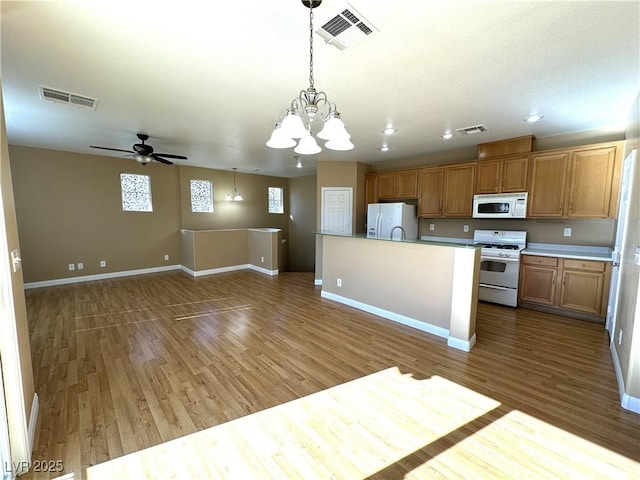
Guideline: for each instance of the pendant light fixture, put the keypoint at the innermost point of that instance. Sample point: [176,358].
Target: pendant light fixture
[297,120]
[234,195]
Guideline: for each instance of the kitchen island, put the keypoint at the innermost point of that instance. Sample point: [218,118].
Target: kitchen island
[426,285]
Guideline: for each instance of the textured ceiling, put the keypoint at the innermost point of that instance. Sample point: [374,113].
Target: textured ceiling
[209,82]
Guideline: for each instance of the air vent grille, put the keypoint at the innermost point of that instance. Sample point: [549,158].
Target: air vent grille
[346,29]
[473,129]
[60,96]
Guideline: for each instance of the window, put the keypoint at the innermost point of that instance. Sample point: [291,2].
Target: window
[276,200]
[136,192]
[201,196]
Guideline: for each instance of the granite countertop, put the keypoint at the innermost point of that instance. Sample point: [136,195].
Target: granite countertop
[440,241]
[580,252]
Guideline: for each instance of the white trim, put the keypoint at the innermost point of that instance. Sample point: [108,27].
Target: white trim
[626,401]
[408,321]
[100,276]
[263,270]
[33,421]
[317,281]
[464,345]
[143,271]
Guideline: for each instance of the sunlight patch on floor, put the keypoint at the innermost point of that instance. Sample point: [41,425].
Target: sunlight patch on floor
[351,431]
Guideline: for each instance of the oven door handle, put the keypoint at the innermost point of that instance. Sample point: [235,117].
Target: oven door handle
[500,259]
[495,287]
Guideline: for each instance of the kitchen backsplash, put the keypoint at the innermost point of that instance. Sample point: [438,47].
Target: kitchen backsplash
[583,232]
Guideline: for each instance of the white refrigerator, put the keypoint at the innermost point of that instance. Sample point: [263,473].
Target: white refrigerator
[392,221]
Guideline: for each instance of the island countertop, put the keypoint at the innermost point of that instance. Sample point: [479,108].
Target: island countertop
[419,241]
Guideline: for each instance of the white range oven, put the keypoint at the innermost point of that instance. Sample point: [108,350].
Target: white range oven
[500,264]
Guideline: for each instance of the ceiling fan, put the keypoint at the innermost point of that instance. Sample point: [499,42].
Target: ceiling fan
[144,153]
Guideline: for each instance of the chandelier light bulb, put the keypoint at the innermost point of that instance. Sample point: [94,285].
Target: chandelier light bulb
[307,146]
[341,145]
[279,139]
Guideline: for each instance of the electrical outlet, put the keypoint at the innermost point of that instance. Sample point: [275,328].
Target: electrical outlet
[339,282]
[620,337]
[72,267]
[262,259]
[80,266]
[103,263]
[166,257]
[432,226]
[465,228]
[567,232]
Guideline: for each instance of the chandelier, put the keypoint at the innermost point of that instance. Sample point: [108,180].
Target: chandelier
[296,122]
[234,195]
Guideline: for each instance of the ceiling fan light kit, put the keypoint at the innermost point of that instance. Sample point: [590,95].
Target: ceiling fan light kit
[296,122]
[143,153]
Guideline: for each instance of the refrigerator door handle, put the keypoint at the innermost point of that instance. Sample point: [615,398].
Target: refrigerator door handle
[378,224]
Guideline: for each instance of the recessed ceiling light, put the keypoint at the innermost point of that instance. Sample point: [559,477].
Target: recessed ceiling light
[534,117]
[447,135]
[385,148]
[389,131]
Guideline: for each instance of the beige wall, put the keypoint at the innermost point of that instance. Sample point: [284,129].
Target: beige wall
[69,210]
[220,248]
[302,224]
[600,232]
[251,213]
[15,348]
[628,318]
[264,247]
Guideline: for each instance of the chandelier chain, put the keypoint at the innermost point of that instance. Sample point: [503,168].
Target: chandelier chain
[311,44]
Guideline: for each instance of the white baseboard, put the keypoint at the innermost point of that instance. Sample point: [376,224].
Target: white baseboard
[33,422]
[410,322]
[464,345]
[143,271]
[232,268]
[626,401]
[100,276]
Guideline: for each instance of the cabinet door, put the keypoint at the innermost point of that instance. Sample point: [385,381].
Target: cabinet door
[591,180]
[515,174]
[488,177]
[387,185]
[582,291]
[548,180]
[431,182]
[538,284]
[407,183]
[370,189]
[458,190]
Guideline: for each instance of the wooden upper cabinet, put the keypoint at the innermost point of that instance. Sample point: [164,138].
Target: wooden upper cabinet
[591,178]
[403,184]
[576,183]
[515,173]
[407,184]
[431,183]
[370,189]
[548,182]
[387,185]
[489,175]
[502,176]
[459,185]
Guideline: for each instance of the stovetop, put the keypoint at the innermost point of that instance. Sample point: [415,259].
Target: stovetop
[500,243]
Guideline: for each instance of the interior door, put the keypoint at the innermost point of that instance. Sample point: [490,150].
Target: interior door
[5,452]
[337,216]
[628,169]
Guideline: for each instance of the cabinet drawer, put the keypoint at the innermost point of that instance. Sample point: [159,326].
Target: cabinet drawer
[591,265]
[534,260]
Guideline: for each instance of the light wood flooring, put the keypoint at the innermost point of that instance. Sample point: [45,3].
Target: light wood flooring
[170,362]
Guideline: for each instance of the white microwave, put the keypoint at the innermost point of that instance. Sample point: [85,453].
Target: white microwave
[500,205]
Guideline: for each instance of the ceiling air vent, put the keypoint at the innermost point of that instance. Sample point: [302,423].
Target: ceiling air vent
[473,129]
[69,98]
[346,29]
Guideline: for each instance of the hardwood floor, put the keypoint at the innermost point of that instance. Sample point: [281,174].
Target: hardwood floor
[126,364]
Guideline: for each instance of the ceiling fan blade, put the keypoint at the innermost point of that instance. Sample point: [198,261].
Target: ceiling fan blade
[160,159]
[112,149]
[168,155]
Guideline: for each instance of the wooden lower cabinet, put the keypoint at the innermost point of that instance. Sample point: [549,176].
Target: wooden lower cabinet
[578,288]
